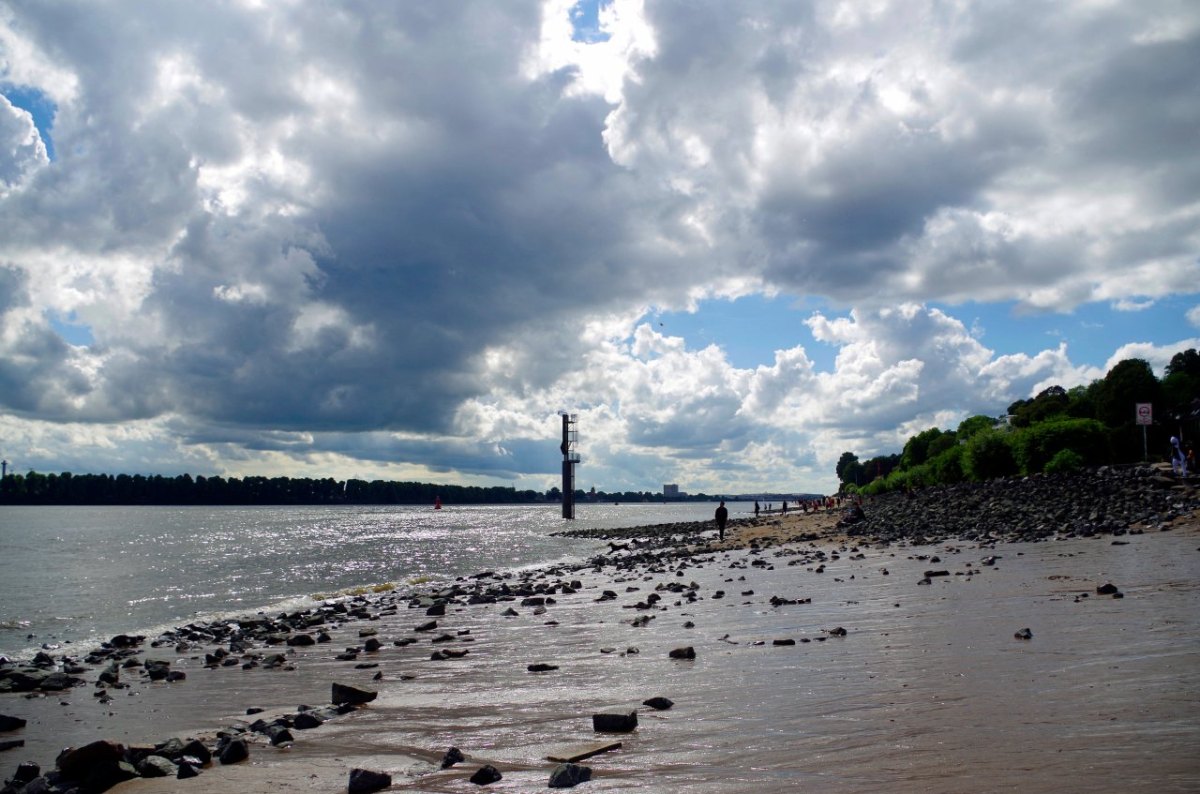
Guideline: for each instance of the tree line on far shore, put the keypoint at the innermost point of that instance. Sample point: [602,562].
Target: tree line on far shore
[1058,429]
[36,488]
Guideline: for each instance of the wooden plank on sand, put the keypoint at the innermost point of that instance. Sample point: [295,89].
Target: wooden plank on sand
[577,752]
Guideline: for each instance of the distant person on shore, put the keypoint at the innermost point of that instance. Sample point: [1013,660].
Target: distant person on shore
[756,508]
[722,515]
[1178,461]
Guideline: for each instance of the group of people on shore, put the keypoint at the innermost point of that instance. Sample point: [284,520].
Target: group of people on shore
[826,503]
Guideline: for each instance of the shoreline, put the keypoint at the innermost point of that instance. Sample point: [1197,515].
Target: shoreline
[569,630]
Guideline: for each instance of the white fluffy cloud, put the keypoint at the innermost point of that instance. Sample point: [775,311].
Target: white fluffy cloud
[401,238]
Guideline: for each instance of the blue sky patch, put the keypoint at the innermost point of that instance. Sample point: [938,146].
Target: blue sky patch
[750,329]
[39,106]
[585,18]
[71,329]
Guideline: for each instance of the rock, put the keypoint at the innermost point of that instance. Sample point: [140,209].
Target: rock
[235,751]
[541,667]
[428,626]
[436,611]
[344,693]
[683,653]
[659,703]
[1024,634]
[157,766]
[196,750]
[787,641]
[364,781]
[614,722]
[11,744]
[279,734]
[569,775]
[838,632]
[452,757]
[299,640]
[485,775]
[76,763]
[8,723]
[26,771]
[372,645]
[187,770]
[1107,589]
[307,720]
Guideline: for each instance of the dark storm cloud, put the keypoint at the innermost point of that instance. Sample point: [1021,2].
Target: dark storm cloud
[339,228]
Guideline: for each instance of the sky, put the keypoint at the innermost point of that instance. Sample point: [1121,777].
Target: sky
[396,240]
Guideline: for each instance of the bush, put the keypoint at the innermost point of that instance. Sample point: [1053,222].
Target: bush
[1036,445]
[988,455]
[947,467]
[1064,460]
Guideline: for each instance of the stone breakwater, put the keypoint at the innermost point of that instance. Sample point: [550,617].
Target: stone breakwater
[1106,500]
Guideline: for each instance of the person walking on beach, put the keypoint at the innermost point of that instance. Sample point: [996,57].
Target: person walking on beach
[756,508]
[722,515]
[1178,461]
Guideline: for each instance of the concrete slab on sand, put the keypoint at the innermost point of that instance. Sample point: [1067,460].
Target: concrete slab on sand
[571,753]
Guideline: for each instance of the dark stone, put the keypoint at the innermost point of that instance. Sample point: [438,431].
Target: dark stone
[614,722]
[279,734]
[569,775]
[235,751]
[307,720]
[683,653]
[187,770]
[485,775]
[436,611]
[344,693]
[26,772]
[364,781]
[297,640]
[372,645]
[452,757]
[931,574]
[541,667]
[11,744]
[838,632]
[8,723]
[1024,634]
[787,641]
[157,766]
[77,763]
[1106,589]
[196,749]
[659,703]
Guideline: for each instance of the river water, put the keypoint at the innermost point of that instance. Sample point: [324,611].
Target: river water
[83,574]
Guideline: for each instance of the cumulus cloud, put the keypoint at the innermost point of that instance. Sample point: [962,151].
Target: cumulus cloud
[401,238]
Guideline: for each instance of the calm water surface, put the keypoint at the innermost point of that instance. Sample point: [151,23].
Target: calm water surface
[81,574]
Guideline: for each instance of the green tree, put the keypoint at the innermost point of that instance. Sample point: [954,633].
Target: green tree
[972,425]
[988,455]
[848,469]
[1129,382]
[916,450]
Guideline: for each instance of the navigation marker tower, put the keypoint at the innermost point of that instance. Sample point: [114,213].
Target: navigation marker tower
[570,457]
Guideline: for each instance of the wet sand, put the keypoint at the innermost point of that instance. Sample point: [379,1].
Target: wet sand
[928,690]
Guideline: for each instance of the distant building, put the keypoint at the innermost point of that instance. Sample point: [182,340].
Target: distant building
[671,491]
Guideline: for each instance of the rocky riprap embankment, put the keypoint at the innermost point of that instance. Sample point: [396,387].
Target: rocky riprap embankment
[1084,503]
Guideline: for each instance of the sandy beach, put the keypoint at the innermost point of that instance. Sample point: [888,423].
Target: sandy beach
[822,662]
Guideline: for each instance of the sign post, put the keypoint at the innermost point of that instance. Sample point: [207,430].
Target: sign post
[1144,416]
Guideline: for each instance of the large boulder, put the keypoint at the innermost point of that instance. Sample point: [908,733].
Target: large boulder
[569,775]
[344,693]
[364,781]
